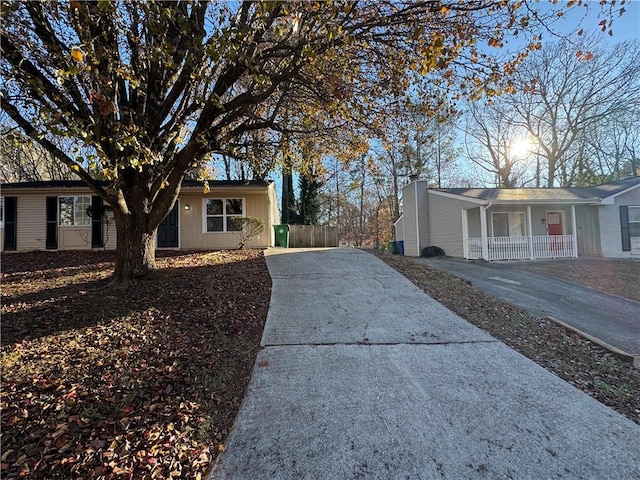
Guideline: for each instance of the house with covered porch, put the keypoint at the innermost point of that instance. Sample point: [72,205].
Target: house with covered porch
[523,223]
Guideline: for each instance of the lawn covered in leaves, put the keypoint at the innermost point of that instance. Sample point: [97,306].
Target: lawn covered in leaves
[141,381]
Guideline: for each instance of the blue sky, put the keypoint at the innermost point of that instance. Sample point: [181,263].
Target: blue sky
[625,27]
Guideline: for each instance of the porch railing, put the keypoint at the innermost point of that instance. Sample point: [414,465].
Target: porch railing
[519,248]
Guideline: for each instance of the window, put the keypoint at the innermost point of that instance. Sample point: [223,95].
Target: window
[72,211]
[508,224]
[220,214]
[634,221]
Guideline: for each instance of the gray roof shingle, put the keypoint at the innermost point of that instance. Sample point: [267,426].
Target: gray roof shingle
[552,194]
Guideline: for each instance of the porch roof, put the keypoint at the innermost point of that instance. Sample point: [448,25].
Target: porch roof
[588,195]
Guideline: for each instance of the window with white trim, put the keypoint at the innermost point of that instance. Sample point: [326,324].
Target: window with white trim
[508,224]
[634,220]
[220,213]
[72,211]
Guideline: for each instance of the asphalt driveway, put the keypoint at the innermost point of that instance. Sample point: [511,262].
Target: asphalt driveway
[612,319]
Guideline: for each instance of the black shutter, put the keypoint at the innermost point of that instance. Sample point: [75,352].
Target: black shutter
[624,228]
[10,223]
[51,242]
[97,237]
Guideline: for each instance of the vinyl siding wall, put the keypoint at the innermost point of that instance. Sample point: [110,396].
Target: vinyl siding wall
[31,220]
[424,223]
[588,231]
[192,221]
[409,213]
[31,223]
[609,219]
[445,217]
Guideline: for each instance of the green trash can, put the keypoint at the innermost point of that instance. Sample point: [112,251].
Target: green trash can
[393,248]
[282,235]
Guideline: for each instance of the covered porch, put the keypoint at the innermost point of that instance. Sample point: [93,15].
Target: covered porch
[520,232]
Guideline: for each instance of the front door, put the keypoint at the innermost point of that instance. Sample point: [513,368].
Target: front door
[168,229]
[554,223]
[554,228]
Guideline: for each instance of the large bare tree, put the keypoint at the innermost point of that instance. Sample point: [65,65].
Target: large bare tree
[569,93]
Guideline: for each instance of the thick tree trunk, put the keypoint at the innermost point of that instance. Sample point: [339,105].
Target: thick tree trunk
[137,219]
[136,249]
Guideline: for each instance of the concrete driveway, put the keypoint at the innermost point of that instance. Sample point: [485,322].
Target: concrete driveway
[612,319]
[364,376]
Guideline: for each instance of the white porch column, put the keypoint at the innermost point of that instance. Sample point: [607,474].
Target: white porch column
[574,231]
[465,234]
[530,230]
[483,231]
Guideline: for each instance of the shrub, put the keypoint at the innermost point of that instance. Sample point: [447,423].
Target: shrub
[247,228]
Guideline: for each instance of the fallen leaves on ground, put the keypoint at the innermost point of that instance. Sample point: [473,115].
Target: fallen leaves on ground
[142,381]
[576,360]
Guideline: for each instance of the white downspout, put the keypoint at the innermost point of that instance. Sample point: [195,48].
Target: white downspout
[465,233]
[530,228]
[574,231]
[417,220]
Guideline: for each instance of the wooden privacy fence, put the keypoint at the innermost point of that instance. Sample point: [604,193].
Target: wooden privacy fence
[307,236]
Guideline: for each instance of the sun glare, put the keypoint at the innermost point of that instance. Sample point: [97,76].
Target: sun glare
[521,147]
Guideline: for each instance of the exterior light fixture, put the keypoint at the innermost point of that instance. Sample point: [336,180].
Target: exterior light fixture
[187,207]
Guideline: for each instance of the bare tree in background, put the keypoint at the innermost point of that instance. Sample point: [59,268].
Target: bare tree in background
[490,136]
[23,160]
[569,94]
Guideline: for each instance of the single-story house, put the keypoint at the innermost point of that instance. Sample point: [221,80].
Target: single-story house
[52,215]
[522,223]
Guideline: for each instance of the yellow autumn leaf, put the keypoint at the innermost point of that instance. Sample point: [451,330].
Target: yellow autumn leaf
[77,54]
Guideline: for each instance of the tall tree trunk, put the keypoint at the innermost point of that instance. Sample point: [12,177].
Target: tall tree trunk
[137,220]
[136,249]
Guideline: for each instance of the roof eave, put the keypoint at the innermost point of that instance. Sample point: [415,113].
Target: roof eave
[610,200]
[466,198]
[564,201]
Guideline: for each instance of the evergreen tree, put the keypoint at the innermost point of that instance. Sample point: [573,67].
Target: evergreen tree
[309,204]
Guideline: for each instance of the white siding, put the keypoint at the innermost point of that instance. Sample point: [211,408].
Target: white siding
[411,246]
[31,222]
[445,219]
[609,219]
[424,224]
